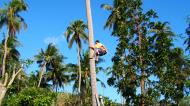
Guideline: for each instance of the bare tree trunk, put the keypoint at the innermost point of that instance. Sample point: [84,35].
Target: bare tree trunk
[5,53]
[4,86]
[3,91]
[79,64]
[95,100]
[42,73]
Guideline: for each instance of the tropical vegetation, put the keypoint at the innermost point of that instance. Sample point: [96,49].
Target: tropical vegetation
[148,68]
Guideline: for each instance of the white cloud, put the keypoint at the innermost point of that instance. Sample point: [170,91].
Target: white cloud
[54,39]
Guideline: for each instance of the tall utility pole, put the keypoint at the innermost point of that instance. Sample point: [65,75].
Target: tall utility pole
[95,99]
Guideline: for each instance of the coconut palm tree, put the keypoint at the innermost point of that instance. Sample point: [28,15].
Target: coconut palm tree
[117,17]
[76,33]
[12,53]
[95,100]
[85,76]
[162,39]
[47,60]
[57,73]
[10,17]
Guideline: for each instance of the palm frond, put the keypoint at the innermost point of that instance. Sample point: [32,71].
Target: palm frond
[106,7]
[76,32]
[71,42]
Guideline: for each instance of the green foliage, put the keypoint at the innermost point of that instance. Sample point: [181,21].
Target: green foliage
[51,61]
[133,58]
[108,102]
[174,76]
[85,92]
[145,53]
[32,97]
[85,75]
[32,80]
[185,101]
[13,55]
[66,99]
[10,17]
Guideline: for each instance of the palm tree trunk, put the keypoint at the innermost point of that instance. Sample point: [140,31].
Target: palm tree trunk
[142,83]
[79,64]
[141,64]
[83,93]
[142,79]
[5,53]
[42,73]
[95,100]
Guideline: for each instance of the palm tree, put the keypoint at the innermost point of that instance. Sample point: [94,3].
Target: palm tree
[57,74]
[85,76]
[75,33]
[14,22]
[117,17]
[95,100]
[47,60]
[9,16]
[12,53]
[171,64]
[162,39]
[42,64]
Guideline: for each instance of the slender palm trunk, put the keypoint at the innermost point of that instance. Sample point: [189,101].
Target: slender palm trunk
[142,83]
[42,73]
[83,93]
[5,53]
[141,64]
[95,100]
[142,75]
[79,64]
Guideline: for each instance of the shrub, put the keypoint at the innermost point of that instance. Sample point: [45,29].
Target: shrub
[32,97]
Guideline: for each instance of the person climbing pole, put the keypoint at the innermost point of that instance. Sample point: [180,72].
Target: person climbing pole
[99,49]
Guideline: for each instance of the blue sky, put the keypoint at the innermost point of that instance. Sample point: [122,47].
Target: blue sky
[47,21]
